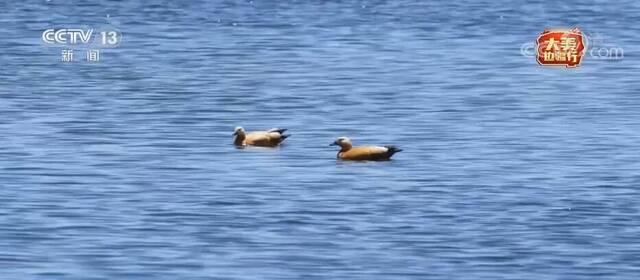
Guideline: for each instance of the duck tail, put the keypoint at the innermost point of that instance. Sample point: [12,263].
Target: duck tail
[283,136]
[392,150]
[278,130]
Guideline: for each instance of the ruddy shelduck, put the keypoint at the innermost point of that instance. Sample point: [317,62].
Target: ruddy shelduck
[270,138]
[349,152]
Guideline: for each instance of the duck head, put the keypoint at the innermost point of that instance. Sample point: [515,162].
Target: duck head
[240,135]
[343,142]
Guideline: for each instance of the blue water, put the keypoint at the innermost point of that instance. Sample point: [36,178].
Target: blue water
[125,168]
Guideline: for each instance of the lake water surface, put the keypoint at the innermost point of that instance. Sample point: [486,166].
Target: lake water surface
[125,168]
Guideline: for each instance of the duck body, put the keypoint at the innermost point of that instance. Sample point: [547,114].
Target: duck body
[269,138]
[376,153]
